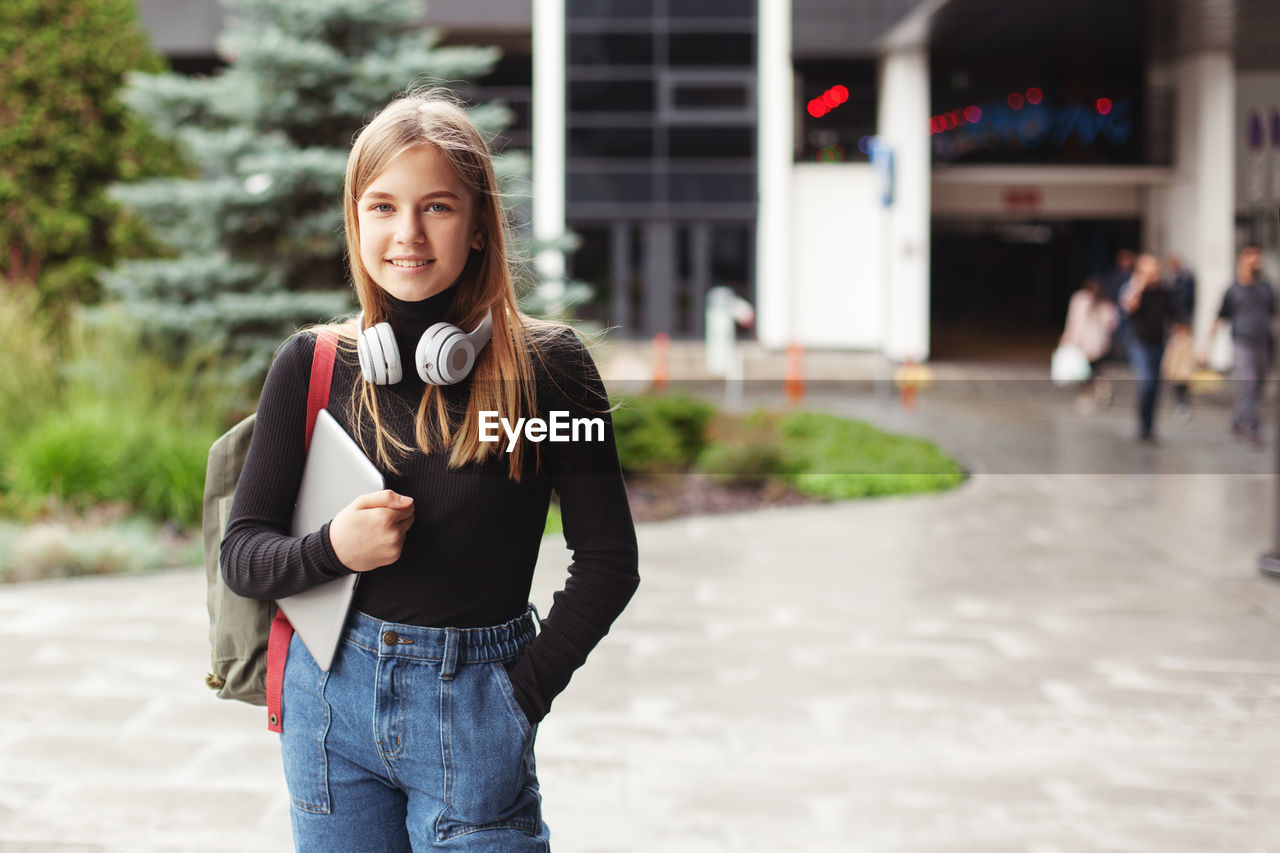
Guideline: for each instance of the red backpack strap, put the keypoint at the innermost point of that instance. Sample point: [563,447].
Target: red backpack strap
[321,378]
[281,631]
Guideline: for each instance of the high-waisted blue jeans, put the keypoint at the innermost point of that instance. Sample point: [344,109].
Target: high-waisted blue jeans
[411,741]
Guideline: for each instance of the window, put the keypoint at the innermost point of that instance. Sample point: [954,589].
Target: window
[609,8]
[610,48]
[703,142]
[611,96]
[703,49]
[610,142]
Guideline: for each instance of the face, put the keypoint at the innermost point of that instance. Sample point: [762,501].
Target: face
[417,225]
[1148,269]
[1250,263]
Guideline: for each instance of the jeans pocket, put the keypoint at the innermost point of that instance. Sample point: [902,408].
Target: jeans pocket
[489,767]
[305,716]
[508,690]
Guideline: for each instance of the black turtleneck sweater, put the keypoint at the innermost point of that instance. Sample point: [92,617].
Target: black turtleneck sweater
[468,558]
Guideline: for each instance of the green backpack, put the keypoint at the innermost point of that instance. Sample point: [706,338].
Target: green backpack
[239,627]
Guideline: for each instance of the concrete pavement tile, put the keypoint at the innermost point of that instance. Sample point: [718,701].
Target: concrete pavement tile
[152,818]
[49,758]
[46,706]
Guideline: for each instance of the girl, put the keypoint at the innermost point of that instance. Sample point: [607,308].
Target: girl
[420,736]
[1091,321]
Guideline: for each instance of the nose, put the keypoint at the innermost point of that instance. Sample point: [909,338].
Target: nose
[409,229]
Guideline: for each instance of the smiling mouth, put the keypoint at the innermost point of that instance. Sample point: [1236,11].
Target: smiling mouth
[405,264]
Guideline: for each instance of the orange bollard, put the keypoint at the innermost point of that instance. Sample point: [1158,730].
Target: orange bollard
[907,395]
[793,384]
[910,378]
[661,356]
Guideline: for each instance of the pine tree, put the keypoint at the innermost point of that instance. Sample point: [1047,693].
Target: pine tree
[257,237]
[65,137]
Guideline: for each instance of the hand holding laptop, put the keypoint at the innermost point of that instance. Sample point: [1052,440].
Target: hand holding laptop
[369,532]
[339,479]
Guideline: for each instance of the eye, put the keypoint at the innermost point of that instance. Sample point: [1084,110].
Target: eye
[438,207]
[381,207]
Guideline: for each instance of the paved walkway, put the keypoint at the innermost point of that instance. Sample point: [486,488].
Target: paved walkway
[1039,661]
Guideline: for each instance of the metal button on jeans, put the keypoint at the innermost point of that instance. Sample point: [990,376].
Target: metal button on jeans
[391,638]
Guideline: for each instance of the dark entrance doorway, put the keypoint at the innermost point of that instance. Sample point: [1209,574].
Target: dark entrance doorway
[1000,288]
[653,276]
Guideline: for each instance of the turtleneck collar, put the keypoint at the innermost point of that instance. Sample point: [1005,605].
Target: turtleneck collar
[410,320]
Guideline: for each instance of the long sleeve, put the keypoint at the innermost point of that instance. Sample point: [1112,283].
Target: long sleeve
[598,528]
[260,559]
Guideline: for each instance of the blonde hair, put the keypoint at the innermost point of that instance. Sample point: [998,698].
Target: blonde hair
[503,373]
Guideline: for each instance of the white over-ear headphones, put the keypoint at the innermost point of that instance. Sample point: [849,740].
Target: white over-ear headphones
[445,354]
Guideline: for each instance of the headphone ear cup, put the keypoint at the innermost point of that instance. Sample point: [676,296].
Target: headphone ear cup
[379,356]
[390,353]
[444,356]
[365,351]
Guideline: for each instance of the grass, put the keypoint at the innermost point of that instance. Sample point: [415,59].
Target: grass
[824,456]
[838,459]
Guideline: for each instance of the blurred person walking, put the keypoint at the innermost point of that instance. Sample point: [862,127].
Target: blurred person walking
[1113,284]
[1149,306]
[1179,358]
[1248,305]
[1091,321]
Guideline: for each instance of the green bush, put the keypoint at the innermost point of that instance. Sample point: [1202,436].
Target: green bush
[753,463]
[841,459]
[73,457]
[688,416]
[167,473]
[120,425]
[746,451]
[660,434]
[29,376]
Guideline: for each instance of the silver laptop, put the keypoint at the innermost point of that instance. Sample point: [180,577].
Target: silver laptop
[336,473]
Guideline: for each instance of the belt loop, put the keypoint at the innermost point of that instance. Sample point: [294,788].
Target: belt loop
[450,663]
[537,620]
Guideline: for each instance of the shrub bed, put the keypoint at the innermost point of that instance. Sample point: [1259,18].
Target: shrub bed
[681,443]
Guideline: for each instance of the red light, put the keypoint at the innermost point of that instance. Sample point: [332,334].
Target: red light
[958,115]
[829,100]
[972,114]
[933,124]
[840,93]
[817,109]
[951,121]
[1016,101]
[1104,106]
[1034,95]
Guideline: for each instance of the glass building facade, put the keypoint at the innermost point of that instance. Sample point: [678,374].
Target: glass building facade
[661,171]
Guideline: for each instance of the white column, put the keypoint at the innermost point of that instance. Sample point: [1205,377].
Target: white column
[903,126]
[775,132]
[549,136]
[1201,209]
